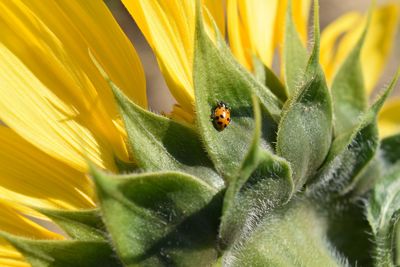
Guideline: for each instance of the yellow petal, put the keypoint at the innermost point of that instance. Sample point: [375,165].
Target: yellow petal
[330,36]
[14,222]
[51,93]
[379,43]
[169,28]
[389,119]
[31,177]
[10,257]
[239,40]
[107,41]
[338,39]
[181,115]
[40,116]
[217,11]
[251,29]
[300,12]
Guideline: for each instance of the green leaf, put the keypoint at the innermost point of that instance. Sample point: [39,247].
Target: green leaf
[65,253]
[267,77]
[305,130]
[383,212]
[349,155]
[160,219]
[218,77]
[271,105]
[84,225]
[159,143]
[262,184]
[348,90]
[293,236]
[294,54]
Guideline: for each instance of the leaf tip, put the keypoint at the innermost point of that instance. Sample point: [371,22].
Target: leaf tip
[102,182]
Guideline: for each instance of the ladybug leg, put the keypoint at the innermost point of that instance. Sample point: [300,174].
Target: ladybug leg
[212,116]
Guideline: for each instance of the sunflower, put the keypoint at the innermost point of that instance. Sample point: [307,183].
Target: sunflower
[58,111]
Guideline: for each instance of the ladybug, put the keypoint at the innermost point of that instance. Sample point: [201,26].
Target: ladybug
[221,116]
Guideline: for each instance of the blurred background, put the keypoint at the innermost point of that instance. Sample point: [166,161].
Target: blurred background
[160,100]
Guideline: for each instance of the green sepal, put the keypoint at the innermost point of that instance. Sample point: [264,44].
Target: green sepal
[160,219]
[294,235]
[294,54]
[218,77]
[159,143]
[383,212]
[305,130]
[387,234]
[350,154]
[271,104]
[348,89]
[267,77]
[390,146]
[262,184]
[83,225]
[64,253]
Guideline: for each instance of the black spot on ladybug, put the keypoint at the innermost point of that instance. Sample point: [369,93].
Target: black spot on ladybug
[222,116]
[225,125]
[220,122]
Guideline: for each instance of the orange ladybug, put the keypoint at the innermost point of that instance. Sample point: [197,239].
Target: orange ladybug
[221,116]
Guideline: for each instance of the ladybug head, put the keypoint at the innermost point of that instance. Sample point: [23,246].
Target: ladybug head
[222,104]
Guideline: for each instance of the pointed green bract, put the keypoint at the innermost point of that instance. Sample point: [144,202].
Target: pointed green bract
[84,225]
[294,54]
[305,131]
[262,184]
[383,206]
[269,99]
[383,212]
[160,219]
[250,162]
[348,90]
[350,153]
[159,143]
[217,77]
[65,253]
[267,188]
